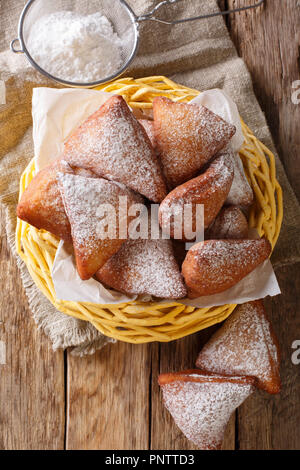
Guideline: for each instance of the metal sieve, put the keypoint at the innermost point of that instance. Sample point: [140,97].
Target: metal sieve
[124,21]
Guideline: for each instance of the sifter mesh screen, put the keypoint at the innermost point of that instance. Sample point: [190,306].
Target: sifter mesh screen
[118,13]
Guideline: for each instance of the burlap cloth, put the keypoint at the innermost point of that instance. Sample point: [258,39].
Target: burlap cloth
[200,55]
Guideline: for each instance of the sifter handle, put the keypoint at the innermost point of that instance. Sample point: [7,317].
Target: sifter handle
[151,15]
[12,47]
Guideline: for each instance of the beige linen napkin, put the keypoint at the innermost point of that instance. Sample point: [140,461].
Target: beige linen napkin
[200,55]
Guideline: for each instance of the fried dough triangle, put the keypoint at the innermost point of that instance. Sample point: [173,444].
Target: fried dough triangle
[188,136]
[213,266]
[230,223]
[41,204]
[92,206]
[114,145]
[202,403]
[210,189]
[144,267]
[245,345]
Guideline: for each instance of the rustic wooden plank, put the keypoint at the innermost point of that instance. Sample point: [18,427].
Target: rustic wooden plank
[32,379]
[268,39]
[170,357]
[108,398]
[272,422]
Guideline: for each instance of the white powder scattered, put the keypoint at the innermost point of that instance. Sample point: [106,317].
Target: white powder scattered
[201,405]
[244,345]
[74,47]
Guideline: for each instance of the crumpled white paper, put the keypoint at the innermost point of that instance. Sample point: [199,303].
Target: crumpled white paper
[56,113]
[69,286]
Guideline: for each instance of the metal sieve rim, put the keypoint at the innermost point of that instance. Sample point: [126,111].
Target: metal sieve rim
[118,73]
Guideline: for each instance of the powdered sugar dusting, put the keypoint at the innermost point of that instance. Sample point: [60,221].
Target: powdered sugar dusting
[244,345]
[74,47]
[188,136]
[210,189]
[240,193]
[230,223]
[215,265]
[144,267]
[148,125]
[82,197]
[115,146]
[202,409]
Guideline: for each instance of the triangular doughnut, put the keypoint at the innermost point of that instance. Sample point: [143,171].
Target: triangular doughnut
[210,189]
[89,225]
[245,345]
[213,266]
[144,267]
[188,136]
[148,125]
[114,145]
[230,223]
[201,403]
[241,193]
[41,204]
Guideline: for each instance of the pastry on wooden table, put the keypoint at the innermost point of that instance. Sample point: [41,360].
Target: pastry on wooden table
[230,223]
[95,234]
[144,267]
[210,189]
[213,266]
[41,204]
[245,345]
[114,145]
[241,193]
[188,136]
[202,403]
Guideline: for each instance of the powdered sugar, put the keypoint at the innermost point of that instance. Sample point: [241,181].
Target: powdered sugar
[244,345]
[76,48]
[202,409]
[240,193]
[144,267]
[230,223]
[92,206]
[237,254]
[188,136]
[216,265]
[113,145]
[210,189]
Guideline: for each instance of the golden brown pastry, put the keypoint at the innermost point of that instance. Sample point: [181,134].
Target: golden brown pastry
[210,189]
[240,193]
[245,345]
[188,136]
[148,125]
[94,226]
[213,266]
[41,204]
[113,144]
[230,223]
[144,267]
[202,403]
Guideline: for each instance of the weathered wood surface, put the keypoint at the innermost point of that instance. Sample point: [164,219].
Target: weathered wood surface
[108,398]
[111,400]
[269,41]
[32,402]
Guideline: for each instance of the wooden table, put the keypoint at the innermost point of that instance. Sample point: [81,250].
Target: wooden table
[111,400]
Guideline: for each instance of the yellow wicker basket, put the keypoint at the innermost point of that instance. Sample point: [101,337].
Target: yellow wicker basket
[138,322]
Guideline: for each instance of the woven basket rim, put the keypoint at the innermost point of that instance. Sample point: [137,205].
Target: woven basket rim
[138,322]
